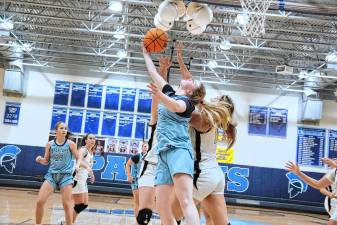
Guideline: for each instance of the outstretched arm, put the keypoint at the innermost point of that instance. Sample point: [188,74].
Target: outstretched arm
[159,80]
[318,184]
[164,65]
[183,69]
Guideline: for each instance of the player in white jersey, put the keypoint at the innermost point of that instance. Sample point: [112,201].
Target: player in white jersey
[80,190]
[209,181]
[330,201]
[327,180]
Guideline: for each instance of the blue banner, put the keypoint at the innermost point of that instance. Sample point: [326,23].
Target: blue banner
[109,124]
[125,125]
[257,120]
[78,94]
[92,122]
[128,99]
[12,113]
[112,97]
[310,146]
[144,101]
[59,114]
[332,144]
[75,120]
[278,119]
[61,93]
[246,182]
[142,126]
[95,96]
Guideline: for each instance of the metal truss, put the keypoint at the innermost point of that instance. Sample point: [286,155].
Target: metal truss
[82,34]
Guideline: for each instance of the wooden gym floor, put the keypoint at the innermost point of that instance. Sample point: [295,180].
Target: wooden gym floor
[17,207]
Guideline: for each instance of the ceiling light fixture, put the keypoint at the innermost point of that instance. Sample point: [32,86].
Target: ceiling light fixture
[242,18]
[225,45]
[27,47]
[7,24]
[212,64]
[303,74]
[121,53]
[115,6]
[331,57]
[120,33]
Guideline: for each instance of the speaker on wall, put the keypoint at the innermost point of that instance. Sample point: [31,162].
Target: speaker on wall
[13,84]
[311,110]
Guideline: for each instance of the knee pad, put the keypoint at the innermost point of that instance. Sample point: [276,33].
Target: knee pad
[144,216]
[80,207]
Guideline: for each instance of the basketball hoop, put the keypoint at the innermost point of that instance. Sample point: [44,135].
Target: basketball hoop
[256,15]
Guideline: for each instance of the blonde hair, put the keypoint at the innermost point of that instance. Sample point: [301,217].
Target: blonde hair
[219,115]
[199,92]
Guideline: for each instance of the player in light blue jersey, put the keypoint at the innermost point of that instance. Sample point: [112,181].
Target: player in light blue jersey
[175,161]
[59,154]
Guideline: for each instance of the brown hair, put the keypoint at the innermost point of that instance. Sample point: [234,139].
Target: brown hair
[57,126]
[83,143]
[219,115]
[199,92]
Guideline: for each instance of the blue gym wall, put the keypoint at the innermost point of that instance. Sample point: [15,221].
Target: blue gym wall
[256,175]
[243,182]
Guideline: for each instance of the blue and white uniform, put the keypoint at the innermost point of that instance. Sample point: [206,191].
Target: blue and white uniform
[174,146]
[331,204]
[208,177]
[149,162]
[82,175]
[61,165]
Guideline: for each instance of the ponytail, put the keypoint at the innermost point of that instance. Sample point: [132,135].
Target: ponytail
[199,92]
[68,135]
[219,115]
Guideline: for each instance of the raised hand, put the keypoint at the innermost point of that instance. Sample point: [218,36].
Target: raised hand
[164,62]
[145,52]
[153,88]
[292,167]
[330,162]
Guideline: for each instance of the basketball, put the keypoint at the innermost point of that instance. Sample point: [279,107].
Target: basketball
[155,40]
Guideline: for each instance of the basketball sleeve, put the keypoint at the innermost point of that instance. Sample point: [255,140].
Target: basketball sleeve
[330,176]
[168,90]
[189,106]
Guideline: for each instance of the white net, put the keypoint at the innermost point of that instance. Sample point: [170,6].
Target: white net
[255,16]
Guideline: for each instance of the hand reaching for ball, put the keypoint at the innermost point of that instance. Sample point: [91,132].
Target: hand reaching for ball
[155,40]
